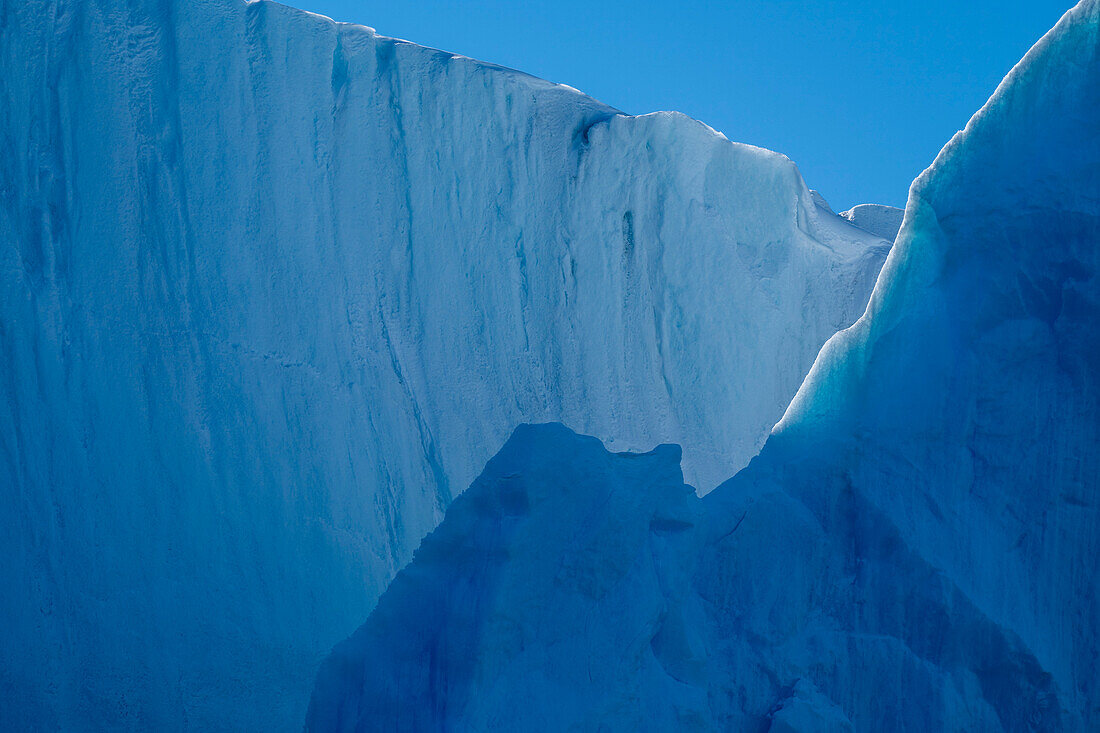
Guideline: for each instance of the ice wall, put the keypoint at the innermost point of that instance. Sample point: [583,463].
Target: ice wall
[272,289]
[916,547]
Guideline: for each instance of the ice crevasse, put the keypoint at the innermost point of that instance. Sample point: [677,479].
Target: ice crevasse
[272,291]
[916,547]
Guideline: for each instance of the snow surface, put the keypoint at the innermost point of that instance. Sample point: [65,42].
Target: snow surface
[917,546]
[882,221]
[272,290]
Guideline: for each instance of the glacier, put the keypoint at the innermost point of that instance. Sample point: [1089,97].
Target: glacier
[916,547]
[272,291]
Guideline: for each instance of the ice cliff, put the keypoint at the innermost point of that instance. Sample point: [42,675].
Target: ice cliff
[916,547]
[273,289]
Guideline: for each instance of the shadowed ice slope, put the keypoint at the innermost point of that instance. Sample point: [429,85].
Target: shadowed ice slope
[273,288]
[917,547]
[558,543]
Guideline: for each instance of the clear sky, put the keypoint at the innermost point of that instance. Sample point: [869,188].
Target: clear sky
[860,94]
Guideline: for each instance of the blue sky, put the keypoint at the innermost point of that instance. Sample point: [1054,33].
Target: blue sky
[861,94]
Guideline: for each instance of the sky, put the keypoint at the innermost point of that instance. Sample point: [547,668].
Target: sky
[860,94]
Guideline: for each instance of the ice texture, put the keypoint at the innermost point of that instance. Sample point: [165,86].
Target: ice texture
[916,547]
[272,291]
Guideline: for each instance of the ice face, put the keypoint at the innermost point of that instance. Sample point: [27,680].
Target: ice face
[917,546]
[273,289]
